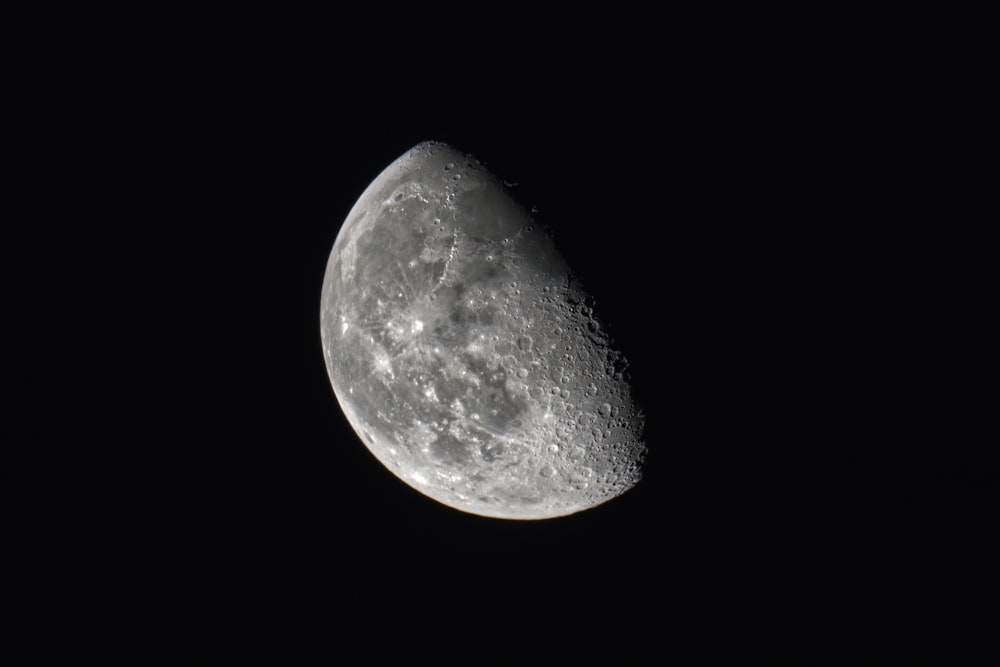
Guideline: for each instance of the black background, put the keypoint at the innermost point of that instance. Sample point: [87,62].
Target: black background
[780,218]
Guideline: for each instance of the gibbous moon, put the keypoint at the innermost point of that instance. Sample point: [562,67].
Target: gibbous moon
[464,353]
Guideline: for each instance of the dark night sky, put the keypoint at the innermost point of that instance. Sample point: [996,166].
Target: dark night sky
[759,214]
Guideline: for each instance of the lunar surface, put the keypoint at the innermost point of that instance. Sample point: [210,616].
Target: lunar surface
[464,352]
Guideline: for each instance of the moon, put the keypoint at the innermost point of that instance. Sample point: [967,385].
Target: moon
[465,353]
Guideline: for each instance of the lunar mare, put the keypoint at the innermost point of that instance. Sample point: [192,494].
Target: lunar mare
[464,353]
